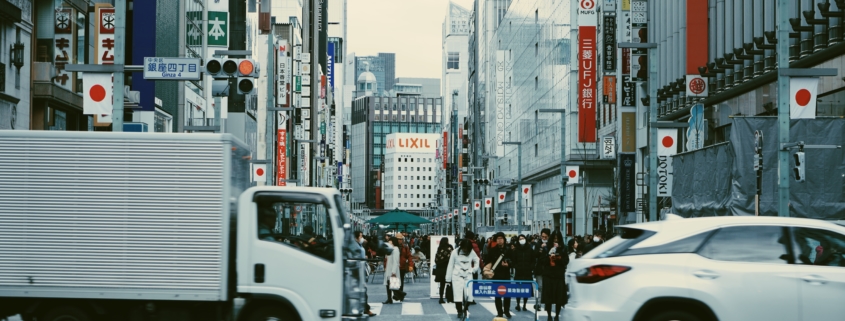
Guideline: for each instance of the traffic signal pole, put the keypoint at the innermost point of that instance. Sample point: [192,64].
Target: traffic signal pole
[119,59]
[783,106]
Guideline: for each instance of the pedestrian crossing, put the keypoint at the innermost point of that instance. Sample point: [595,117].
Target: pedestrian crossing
[484,310]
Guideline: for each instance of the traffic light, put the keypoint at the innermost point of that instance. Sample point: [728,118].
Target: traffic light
[222,68]
[245,85]
[800,168]
[505,221]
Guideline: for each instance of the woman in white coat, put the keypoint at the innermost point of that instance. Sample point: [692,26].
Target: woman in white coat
[391,268]
[463,263]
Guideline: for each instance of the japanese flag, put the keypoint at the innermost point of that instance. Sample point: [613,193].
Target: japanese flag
[259,172]
[502,197]
[667,141]
[574,175]
[476,205]
[465,208]
[97,98]
[488,202]
[802,93]
[526,191]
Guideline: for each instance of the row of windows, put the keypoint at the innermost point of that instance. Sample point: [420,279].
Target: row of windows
[412,186]
[411,169]
[413,106]
[391,205]
[403,118]
[409,159]
[413,196]
[389,177]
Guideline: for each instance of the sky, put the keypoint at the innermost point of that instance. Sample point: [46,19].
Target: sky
[410,28]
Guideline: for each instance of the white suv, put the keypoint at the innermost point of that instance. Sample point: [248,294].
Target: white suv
[713,268]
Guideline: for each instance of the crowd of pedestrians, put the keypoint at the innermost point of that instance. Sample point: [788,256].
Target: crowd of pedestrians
[542,258]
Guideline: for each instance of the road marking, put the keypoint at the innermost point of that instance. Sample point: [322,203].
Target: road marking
[491,306]
[409,308]
[450,308]
[375,308]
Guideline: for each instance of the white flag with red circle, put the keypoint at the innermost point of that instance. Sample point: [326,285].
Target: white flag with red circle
[97,97]
[259,172]
[526,191]
[488,202]
[502,197]
[803,93]
[465,209]
[667,141]
[476,205]
[573,173]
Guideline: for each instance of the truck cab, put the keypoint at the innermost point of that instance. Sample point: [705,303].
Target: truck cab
[291,241]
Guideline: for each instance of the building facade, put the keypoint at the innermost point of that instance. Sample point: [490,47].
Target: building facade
[454,58]
[430,86]
[373,118]
[410,166]
[383,67]
[16,25]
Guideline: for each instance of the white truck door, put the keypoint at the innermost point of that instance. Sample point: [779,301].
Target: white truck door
[293,252]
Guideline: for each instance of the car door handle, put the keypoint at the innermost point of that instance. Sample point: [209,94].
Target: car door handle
[814,279]
[705,274]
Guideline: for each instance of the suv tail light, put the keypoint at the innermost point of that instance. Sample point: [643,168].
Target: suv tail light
[597,273]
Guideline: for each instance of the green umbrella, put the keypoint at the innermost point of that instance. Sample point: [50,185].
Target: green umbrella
[398,217]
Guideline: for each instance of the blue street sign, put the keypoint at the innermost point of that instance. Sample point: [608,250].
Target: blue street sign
[167,68]
[503,289]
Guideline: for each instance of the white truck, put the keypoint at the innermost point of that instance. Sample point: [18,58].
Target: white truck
[130,226]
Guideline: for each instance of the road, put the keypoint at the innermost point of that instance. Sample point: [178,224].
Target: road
[418,305]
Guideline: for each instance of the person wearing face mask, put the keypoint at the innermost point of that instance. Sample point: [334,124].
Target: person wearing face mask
[501,255]
[391,268]
[523,264]
[541,250]
[359,238]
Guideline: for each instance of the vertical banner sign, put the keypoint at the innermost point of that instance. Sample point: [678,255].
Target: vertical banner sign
[609,47]
[305,156]
[445,150]
[330,66]
[281,158]
[626,60]
[609,89]
[500,103]
[587,20]
[282,84]
[667,145]
[629,92]
[608,147]
[103,48]
[629,132]
[639,34]
[627,183]
[64,47]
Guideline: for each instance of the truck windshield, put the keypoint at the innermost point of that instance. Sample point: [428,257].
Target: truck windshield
[300,223]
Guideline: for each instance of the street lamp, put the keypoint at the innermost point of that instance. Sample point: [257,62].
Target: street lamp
[518,184]
[563,177]
[652,120]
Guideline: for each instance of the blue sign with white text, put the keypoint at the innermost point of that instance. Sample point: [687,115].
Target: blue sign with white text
[330,64]
[503,289]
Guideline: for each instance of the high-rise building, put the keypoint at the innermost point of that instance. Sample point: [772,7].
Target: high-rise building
[430,86]
[410,167]
[373,118]
[454,58]
[383,68]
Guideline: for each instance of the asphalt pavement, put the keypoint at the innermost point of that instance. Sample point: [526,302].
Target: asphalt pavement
[419,306]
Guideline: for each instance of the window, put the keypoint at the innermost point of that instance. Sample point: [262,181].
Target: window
[378,117]
[453,60]
[759,244]
[819,247]
[377,106]
[276,214]
[536,49]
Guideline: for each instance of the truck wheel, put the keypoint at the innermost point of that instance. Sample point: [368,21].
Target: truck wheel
[268,313]
[674,316]
[65,313]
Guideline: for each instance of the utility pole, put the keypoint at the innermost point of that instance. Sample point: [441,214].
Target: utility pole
[119,60]
[783,106]
[518,194]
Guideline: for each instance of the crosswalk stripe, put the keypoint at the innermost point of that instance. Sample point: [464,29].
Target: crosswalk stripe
[450,308]
[375,308]
[491,306]
[412,308]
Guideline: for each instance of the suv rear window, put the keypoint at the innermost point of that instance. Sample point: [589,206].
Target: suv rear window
[625,240]
[689,244]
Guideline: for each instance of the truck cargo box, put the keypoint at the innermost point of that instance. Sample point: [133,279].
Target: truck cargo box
[117,215]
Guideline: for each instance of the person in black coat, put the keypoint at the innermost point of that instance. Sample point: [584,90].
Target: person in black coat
[502,271]
[441,262]
[554,263]
[523,264]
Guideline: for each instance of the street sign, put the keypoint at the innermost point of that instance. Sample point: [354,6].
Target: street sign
[168,68]
[503,181]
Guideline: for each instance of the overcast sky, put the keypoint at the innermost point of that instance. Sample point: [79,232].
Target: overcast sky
[410,28]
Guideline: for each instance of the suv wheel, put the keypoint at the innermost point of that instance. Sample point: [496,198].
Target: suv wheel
[674,316]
